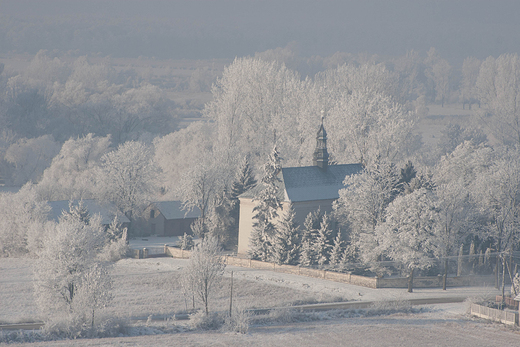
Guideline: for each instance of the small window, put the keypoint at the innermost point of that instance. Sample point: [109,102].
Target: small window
[152,213]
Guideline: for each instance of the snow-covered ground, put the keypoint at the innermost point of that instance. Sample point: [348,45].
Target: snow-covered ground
[153,241]
[151,287]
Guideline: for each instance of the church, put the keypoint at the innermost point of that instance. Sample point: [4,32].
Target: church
[307,188]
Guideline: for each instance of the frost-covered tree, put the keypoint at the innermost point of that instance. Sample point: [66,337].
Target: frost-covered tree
[409,233]
[127,177]
[244,178]
[254,104]
[202,187]
[72,173]
[307,251]
[177,153]
[362,207]
[470,71]
[22,219]
[438,72]
[186,242]
[116,244]
[30,157]
[71,283]
[337,250]
[500,197]
[286,240]
[266,209]
[366,128]
[323,243]
[498,88]
[204,270]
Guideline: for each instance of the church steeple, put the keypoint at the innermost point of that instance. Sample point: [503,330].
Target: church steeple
[321,156]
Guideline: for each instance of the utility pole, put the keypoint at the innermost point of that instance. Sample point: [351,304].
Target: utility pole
[231,295]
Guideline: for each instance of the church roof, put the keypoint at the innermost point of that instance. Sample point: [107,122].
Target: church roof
[312,183]
[309,183]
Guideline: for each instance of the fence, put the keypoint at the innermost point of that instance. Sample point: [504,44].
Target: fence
[468,278]
[506,317]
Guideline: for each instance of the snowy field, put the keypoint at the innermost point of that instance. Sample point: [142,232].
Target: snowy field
[150,287]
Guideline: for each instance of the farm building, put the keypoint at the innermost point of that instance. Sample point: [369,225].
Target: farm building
[167,218]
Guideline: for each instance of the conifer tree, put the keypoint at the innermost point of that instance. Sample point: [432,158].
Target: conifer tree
[244,179]
[323,245]
[286,241]
[266,210]
[337,250]
[307,252]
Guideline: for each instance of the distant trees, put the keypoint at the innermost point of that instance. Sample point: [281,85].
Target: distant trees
[498,87]
[72,173]
[65,99]
[438,72]
[30,157]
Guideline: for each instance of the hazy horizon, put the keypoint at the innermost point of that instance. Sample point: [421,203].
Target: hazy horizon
[225,29]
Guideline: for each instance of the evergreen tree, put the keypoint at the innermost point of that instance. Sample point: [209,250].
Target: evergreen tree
[307,251]
[260,244]
[337,250]
[186,242]
[267,209]
[244,179]
[286,241]
[322,244]
[307,254]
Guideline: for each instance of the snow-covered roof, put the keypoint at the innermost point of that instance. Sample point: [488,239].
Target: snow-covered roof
[312,183]
[309,183]
[107,211]
[173,210]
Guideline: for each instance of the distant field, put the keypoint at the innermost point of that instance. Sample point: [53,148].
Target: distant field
[438,117]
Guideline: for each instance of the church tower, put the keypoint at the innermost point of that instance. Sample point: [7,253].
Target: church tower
[321,156]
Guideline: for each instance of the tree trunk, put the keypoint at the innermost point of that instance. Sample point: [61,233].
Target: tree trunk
[444,278]
[410,282]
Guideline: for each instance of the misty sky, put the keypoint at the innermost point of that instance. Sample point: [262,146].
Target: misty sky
[228,28]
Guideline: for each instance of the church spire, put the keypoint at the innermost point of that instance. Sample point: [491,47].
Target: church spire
[321,156]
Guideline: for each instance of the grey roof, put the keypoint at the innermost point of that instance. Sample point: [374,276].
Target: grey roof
[107,211]
[173,210]
[310,183]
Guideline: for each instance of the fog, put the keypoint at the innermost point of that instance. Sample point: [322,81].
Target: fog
[229,28]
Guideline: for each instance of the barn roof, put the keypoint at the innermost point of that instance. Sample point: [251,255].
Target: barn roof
[173,210]
[107,211]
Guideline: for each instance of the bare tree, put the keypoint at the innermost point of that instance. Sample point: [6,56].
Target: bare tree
[205,269]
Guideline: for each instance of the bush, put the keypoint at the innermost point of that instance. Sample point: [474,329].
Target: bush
[203,321]
[238,322]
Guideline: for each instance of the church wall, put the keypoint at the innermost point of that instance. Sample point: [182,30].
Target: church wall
[245,225]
